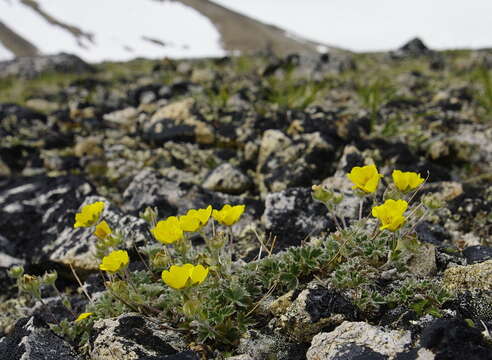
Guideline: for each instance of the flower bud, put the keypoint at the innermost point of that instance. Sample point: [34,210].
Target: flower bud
[50,277]
[16,272]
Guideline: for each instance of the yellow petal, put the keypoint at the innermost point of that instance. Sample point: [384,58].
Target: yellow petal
[198,274]
[168,231]
[189,223]
[177,276]
[83,316]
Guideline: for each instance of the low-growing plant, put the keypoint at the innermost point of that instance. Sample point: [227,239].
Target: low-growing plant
[202,292]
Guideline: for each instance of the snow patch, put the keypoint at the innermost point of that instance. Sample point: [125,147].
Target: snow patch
[121,29]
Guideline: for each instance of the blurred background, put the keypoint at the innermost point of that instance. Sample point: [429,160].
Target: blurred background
[99,30]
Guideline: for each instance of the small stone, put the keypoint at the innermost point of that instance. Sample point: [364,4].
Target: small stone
[358,338]
[477,276]
[477,254]
[227,179]
[422,261]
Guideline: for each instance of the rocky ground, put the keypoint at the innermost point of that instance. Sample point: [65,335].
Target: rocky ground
[258,131]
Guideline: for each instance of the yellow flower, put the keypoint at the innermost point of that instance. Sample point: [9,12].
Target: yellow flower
[390,214]
[84,316]
[406,181]
[168,231]
[229,215]
[102,230]
[194,220]
[89,215]
[179,277]
[365,178]
[115,261]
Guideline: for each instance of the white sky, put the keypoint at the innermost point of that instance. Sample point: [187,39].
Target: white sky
[370,25]
[360,25]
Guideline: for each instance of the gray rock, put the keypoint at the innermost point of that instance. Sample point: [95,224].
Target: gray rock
[227,179]
[358,338]
[293,216]
[131,336]
[31,66]
[32,339]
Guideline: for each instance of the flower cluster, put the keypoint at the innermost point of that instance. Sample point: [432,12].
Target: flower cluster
[173,228]
[89,216]
[391,212]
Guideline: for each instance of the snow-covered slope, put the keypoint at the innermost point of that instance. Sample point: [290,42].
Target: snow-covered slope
[120,29]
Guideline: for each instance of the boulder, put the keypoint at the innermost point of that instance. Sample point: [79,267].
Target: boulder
[461,278]
[227,179]
[131,337]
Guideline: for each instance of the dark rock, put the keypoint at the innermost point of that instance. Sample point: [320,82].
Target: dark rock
[431,233]
[353,351]
[477,254]
[413,48]
[166,130]
[322,303]
[32,66]
[454,339]
[292,216]
[32,339]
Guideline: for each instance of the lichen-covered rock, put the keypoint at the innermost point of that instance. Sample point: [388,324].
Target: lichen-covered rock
[475,305]
[477,276]
[352,339]
[32,339]
[314,309]
[131,336]
[172,198]
[261,346]
[292,216]
[35,211]
[31,66]
[284,162]
[227,179]
[177,122]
